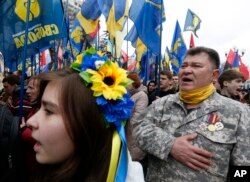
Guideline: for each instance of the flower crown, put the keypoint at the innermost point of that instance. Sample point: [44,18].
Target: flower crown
[108,82]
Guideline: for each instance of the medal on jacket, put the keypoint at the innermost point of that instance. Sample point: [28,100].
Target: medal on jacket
[211,128]
[212,123]
[203,126]
[219,126]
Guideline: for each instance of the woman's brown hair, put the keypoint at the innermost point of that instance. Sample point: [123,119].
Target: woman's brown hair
[85,125]
[136,79]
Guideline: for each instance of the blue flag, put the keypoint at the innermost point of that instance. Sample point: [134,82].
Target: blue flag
[147,16]
[192,22]
[178,49]
[89,15]
[115,12]
[77,37]
[137,43]
[143,66]
[46,23]
[132,36]
[236,63]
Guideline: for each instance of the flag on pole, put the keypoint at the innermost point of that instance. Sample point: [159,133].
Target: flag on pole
[109,47]
[236,63]
[60,58]
[230,60]
[178,49]
[243,69]
[77,36]
[166,60]
[147,16]
[45,58]
[46,23]
[124,56]
[132,36]
[115,12]
[137,43]
[191,45]
[119,39]
[192,22]
[89,16]
[131,64]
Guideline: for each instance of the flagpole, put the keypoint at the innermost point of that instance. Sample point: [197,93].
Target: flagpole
[1,56]
[126,65]
[159,56]
[98,38]
[24,59]
[39,62]
[34,72]
[32,59]
[115,50]
[147,65]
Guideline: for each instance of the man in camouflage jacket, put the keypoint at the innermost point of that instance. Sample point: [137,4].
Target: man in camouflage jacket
[194,137]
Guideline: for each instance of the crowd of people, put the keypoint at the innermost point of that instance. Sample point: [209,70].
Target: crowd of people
[79,122]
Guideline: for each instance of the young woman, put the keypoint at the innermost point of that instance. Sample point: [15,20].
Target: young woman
[71,136]
[77,137]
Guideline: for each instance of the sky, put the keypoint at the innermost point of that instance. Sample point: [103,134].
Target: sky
[225,24]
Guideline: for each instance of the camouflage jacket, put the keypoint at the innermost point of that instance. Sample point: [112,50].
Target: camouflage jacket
[167,118]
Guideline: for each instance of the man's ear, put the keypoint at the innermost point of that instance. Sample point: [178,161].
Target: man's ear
[216,74]
[225,83]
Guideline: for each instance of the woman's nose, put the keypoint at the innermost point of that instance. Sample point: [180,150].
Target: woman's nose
[33,121]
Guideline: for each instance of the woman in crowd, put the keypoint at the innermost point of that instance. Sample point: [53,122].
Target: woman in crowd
[139,96]
[79,129]
[151,91]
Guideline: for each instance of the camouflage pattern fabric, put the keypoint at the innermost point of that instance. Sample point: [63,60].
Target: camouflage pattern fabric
[167,118]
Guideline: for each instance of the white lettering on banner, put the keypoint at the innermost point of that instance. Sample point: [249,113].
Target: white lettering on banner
[35,34]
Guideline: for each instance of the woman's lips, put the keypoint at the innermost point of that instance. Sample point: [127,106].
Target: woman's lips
[37,146]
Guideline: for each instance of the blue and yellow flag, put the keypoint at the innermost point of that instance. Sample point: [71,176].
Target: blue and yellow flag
[147,16]
[137,43]
[146,69]
[178,49]
[115,12]
[166,60]
[192,22]
[46,23]
[89,16]
[77,37]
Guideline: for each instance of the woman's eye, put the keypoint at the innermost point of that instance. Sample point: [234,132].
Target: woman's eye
[48,112]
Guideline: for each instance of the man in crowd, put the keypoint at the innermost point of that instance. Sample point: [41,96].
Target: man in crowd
[166,83]
[12,88]
[10,84]
[231,83]
[195,134]
[166,86]
[175,82]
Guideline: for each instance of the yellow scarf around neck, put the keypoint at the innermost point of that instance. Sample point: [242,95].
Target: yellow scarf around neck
[196,96]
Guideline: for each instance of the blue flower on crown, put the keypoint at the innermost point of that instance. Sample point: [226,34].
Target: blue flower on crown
[116,111]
